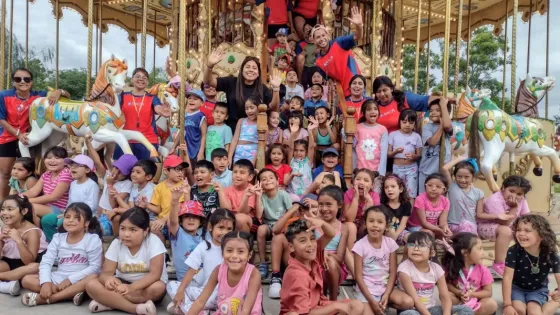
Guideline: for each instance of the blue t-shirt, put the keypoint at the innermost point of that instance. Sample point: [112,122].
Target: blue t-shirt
[320,168]
[182,246]
[193,134]
[310,105]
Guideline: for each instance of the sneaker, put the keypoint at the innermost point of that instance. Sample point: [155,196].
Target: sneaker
[275,286]
[170,267]
[10,287]
[263,269]
[498,269]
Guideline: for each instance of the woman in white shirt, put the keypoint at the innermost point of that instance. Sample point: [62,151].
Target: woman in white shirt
[133,273]
[78,252]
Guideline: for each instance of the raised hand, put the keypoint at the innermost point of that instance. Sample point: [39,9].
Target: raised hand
[217,186]
[356,16]
[176,193]
[275,79]
[294,127]
[313,124]
[216,56]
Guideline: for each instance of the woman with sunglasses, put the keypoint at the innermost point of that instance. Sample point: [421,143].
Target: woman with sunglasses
[247,83]
[14,120]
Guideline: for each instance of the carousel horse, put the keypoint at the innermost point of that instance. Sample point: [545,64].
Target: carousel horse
[101,116]
[167,94]
[528,95]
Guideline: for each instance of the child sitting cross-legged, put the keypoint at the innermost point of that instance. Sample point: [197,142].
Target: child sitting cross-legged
[275,203]
[241,196]
[78,252]
[142,187]
[207,191]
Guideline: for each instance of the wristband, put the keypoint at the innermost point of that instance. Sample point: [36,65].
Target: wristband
[17,133]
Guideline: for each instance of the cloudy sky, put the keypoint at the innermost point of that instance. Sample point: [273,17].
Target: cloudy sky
[73,43]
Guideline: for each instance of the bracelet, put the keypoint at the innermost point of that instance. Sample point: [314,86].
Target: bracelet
[506,305]
[17,133]
[276,89]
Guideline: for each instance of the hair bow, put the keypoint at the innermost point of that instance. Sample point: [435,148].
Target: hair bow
[472,161]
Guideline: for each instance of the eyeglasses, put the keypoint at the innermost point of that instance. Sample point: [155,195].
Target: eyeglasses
[24,79]
[418,246]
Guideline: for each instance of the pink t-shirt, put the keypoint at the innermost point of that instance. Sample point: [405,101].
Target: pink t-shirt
[431,211]
[479,277]
[302,134]
[371,147]
[423,282]
[235,196]
[49,185]
[231,299]
[349,195]
[376,263]
[496,204]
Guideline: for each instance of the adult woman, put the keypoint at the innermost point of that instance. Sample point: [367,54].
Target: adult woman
[357,94]
[247,83]
[14,120]
[138,108]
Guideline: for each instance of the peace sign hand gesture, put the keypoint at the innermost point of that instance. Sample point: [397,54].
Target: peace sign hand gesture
[356,17]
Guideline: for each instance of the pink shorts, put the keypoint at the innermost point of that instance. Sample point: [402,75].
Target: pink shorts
[464,226]
[487,231]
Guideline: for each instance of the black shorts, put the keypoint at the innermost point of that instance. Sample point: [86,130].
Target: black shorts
[255,226]
[311,21]
[10,150]
[15,263]
[272,29]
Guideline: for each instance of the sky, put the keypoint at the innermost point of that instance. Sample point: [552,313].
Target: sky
[73,43]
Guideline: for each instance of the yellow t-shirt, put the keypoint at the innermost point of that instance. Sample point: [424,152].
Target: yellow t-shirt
[162,198]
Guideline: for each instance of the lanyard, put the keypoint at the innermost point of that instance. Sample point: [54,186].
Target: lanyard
[136,108]
[466,279]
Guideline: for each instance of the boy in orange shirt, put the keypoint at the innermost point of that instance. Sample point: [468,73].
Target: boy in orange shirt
[245,199]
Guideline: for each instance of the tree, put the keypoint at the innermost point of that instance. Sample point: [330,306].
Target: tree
[409,62]
[159,76]
[73,81]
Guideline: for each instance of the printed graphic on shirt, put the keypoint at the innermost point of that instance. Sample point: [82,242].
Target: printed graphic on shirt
[432,216]
[133,268]
[230,306]
[369,147]
[213,141]
[424,291]
[74,259]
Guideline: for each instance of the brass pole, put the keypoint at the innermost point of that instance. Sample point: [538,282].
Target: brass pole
[135,42]
[9,72]
[144,28]
[90,48]
[3,43]
[417,59]
[398,41]
[100,54]
[468,45]
[445,70]
[505,58]
[155,42]
[529,37]
[458,47]
[209,21]
[182,70]
[547,53]
[26,32]
[57,16]
[428,48]
[374,35]
[96,40]
[513,69]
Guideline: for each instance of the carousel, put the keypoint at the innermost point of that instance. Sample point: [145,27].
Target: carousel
[191,29]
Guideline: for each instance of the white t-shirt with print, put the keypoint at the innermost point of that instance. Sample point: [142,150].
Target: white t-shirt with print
[132,268]
[121,187]
[205,259]
[147,192]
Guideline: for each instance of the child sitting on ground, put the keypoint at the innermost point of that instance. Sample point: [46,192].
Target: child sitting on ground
[276,162]
[241,196]
[206,191]
[22,175]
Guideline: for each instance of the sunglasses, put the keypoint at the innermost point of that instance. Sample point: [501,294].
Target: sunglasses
[24,79]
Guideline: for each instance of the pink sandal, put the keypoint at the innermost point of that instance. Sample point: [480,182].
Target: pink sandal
[147,308]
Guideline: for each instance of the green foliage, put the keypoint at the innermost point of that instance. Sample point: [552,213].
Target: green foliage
[73,81]
[409,62]
[158,77]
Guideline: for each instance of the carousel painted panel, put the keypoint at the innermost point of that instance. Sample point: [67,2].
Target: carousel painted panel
[233,57]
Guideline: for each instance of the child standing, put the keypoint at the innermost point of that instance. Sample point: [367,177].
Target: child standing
[275,203]
[210,95]
[201,263]
[356,201]
[274,134]
[375,263]
[195,126]
[498,213]
[301,156]
[133,273]
[239,283]
[394,195]
[465,199]
[276,161]
[528,264]
[371,140]
[219,134]
[206,191]
[295,128]
[78,252]
[245,140]
[405,148]
[468,280]
[222,174]
[325,135]
[315,100]
[22,244]
[418,277]
[440,126]
[22,176]
[241,196]
[292,86]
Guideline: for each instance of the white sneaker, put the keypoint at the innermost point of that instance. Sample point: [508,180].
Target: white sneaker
[274,290]
[10,287]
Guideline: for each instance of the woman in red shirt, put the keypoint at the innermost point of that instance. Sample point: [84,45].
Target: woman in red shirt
[14,120]
[357,94]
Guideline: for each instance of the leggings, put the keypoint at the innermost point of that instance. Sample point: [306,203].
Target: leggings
[409,174]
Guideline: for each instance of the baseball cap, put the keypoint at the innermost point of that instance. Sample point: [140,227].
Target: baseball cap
[329,151]
[282,31]
[82,160]
[197,93]
[125,163]
[191,207]
[173,160]
[308,196]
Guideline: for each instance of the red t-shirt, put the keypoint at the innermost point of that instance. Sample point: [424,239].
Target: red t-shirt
[207,108]
[338,62]
[278,12]
[307,8]
[16,112]
[389,116]
[281,171]
[357,105]
[139,114]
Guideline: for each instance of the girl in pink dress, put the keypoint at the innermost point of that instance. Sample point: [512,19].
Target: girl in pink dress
[238,281]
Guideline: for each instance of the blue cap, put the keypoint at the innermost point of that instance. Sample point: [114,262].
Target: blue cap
[282,31]
[330,151]
[197,93]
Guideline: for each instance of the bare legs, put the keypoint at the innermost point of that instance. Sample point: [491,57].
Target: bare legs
[503,237]
[5,174]
[126,303]
[31,282]
[17,274]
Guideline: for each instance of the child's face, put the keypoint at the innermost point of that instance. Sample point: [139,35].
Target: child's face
[281,38]
[219,114]
[307,30]
[376,224]
[513,192]
[321,115]
[295,104]
[527,235]
[241,177]
[190,223]
[300,152]
[276,156]
[372,112]
[209,91]
[407,126]
[304,246]
[130,234]
[294,121]
[325,182]
[220,163]
[193,103]
[292,45]
[19,172]
[328,207]
[464,178]
[78,171]
[220,229]
[268,181]
[274,119]
[291,77]
[330,161]
[10,213]
[251,110]
[174,174]
[54,163]
[138,175]
[117,174]
[363,182]
[316,91]
[236,254]
[392,189]
[317,78]
[283,63]
[476,253]
[419,252]
[357,87]
[73,222]
[435,113]
[202,176]
[435,188]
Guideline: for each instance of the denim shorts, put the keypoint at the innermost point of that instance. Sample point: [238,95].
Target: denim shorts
[55,209]
[538,296]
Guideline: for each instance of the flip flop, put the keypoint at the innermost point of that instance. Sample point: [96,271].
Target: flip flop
[79,298]
[29,299]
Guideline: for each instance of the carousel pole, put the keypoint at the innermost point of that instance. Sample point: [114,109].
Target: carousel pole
[96,43]
[57,17]
[458,46]
[398,41]
[90,48]
[26,32]
[182,71]
[3,43]
[417,59]
[144,28]
[505,58]
[428,48]
[155,42]
[100,23]
[374,37]
[445,69]
[135,42]
[547,53]
[529,37]
[468,45]
[513,69]
[9,72]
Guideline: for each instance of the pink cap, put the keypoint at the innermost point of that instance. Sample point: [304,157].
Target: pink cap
[82,160]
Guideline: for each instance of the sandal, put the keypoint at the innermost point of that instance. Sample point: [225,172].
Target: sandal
[79,298]
[96,307]
[147,308]
[29,299]
[446,245]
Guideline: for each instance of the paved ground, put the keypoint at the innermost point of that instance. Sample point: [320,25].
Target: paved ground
[12,305]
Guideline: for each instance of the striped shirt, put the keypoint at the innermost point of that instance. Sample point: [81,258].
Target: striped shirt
[49,185]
